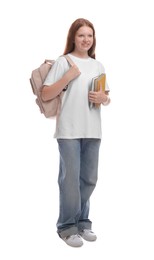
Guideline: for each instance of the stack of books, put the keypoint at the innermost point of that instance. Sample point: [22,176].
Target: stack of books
[97,83]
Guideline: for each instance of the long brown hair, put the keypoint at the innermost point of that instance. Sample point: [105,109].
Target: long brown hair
[71,36]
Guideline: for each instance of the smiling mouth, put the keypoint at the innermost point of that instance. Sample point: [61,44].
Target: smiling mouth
[85,45]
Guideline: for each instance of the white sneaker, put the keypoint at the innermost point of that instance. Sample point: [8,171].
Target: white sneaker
[88,235]
[73,240]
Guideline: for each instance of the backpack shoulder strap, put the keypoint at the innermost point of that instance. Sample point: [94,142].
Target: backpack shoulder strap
[69,60]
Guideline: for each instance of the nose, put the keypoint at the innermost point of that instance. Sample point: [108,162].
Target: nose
[86,38]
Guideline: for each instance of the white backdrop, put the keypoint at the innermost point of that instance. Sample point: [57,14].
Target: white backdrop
[122,206]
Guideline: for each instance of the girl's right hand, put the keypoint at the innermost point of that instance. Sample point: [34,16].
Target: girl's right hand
[72,73]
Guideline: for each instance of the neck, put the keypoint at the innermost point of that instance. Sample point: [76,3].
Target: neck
[80,55]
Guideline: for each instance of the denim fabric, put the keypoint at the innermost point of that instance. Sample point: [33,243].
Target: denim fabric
[78,171]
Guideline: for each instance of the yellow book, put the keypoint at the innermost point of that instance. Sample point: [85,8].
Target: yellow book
[99,82]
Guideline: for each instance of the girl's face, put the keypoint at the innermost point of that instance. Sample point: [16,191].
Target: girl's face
[83,39]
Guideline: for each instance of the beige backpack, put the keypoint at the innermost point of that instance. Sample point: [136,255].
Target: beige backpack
[48,108]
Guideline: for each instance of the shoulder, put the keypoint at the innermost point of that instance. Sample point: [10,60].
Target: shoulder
[61,60]
[99,65]
[60,65]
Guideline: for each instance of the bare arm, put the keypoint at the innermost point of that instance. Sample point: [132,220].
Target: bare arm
[50,92]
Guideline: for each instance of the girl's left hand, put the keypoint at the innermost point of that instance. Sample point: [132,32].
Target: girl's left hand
[97,97]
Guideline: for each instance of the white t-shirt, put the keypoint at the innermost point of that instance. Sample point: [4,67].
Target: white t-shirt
[76,119]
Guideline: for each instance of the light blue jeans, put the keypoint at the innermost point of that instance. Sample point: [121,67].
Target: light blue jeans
[78,171]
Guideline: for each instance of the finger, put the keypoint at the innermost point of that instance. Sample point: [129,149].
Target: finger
[101,88]
[92,93]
